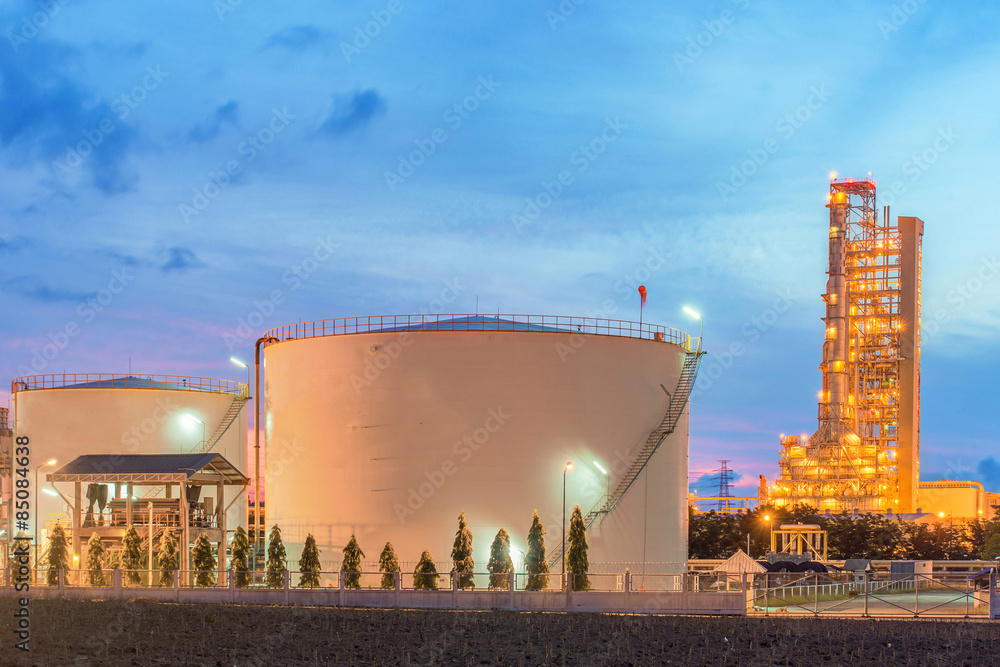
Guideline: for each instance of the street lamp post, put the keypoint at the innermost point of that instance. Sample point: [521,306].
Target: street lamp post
[240,363]
[767,517]
[50,462]
[567,468]
[701,332]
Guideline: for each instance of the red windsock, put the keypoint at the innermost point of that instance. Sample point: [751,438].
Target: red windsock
[642,295]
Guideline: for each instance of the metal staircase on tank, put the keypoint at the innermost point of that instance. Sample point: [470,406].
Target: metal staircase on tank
[239,400]
[675,408]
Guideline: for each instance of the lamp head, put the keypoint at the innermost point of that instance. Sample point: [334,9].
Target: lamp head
[692,312]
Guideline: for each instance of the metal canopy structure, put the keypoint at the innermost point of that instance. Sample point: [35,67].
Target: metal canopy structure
[154,469]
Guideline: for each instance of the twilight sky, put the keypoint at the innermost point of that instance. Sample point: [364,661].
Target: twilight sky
[166,167]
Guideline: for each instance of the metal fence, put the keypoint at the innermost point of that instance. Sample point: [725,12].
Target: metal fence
[941,594]
[609,593]
[467,322]
[120,381]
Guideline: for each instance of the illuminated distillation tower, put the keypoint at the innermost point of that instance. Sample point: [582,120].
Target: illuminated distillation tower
[864,452]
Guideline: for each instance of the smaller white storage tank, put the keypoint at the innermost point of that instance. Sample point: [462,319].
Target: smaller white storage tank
[67,415]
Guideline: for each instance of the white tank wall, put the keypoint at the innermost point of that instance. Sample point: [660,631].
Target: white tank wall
[66,423]
[376,434]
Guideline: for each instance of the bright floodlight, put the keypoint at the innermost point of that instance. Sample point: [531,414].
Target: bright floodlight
[767,517]
[192,417]
[50,462]
[569,465]
[238,362]
[601,468]
[693,313]
[50,492]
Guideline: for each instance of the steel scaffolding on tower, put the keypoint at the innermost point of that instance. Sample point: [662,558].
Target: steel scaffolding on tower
[859,457]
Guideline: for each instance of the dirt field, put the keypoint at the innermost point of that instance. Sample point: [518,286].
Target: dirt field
[146,633]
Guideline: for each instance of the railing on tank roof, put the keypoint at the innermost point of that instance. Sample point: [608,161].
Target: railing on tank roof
[468,322]
[127,381]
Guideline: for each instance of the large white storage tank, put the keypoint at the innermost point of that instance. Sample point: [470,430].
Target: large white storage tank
[69,415]
[388,427]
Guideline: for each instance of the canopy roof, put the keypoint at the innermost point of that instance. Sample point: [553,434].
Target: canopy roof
[739,563]
[202,468]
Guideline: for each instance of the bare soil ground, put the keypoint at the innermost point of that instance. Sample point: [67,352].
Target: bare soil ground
[148,633]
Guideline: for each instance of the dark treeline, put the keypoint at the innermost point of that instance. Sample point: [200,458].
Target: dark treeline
[714,535]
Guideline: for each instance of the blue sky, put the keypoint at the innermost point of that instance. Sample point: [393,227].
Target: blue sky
[189,158]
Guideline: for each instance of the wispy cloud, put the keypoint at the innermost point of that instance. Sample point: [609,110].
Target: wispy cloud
[351,112]
[46,112]
[36,289]
[298,38]
[181,260]
[210,129]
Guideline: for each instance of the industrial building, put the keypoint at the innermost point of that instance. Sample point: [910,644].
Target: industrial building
[388,427]
[864,454]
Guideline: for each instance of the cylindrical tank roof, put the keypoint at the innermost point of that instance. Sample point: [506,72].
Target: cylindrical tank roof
[118,381]
[464,322]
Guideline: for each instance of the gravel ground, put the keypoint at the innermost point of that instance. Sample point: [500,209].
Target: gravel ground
[148,633]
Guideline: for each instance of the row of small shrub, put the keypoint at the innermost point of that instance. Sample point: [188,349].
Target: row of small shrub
[425,575]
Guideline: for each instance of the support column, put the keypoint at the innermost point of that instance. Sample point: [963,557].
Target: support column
[76,523]
[220,512]
[150,559]
[185,533]
[128,505]
[911,231]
